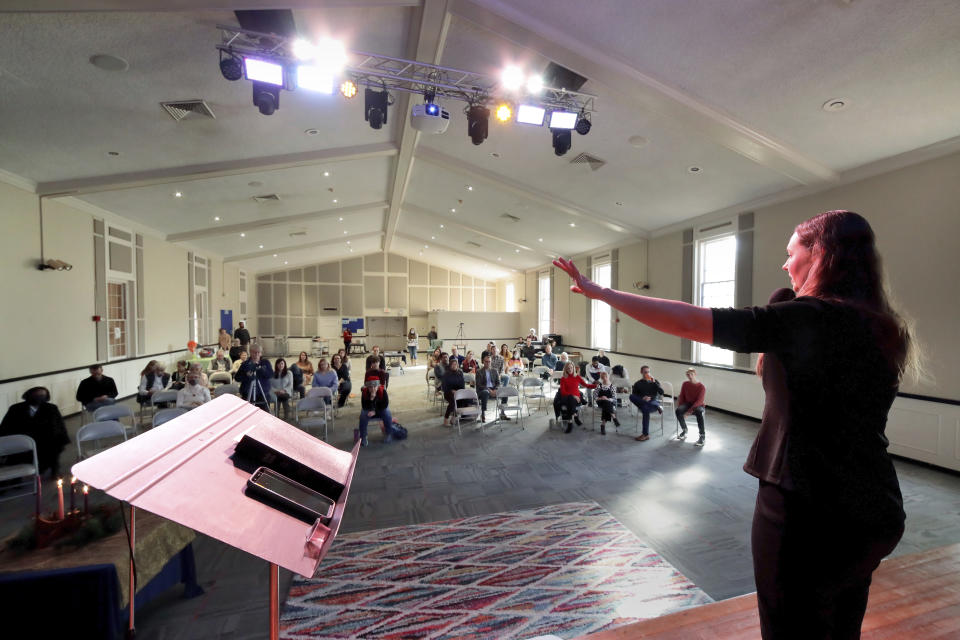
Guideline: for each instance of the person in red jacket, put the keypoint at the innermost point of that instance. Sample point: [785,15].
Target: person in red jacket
[692,399]
[568,398]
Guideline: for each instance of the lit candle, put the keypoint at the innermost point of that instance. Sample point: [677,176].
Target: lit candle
[86,496]
[73,481]
[59,498]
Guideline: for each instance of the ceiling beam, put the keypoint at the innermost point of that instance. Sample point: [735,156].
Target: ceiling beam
[492,262]
[299,247]
[254,225]
[447,221]
[502,183]
[427,37]
[118,181]
[645,92]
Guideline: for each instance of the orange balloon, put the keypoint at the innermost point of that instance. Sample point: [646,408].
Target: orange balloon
[191,345]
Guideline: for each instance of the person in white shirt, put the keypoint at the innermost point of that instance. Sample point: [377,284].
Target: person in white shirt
[193,393]
[197,369]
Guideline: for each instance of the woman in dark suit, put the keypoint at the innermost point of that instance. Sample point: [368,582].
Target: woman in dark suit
[829,506]
[38,418]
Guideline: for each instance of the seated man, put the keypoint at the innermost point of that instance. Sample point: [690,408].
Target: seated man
[96,391]
[38,418]
[646,396]
[487,382]
[491,351]
[455,356]
[529,352]
[549,360]
[692,399]
[193,393]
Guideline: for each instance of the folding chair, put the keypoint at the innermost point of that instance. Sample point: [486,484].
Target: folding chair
[470,379]
[623,388]
[327,394]
[506,407]
[312,405]
[221,377]
[532,387]
[225,389]
[166,415]
[115,412]
[666,404]
[555,380]
[471,410]
[97,431]
[10,445]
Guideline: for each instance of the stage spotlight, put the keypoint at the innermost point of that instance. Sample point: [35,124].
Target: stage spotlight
[375,107]
[478,120]
[231,67]
[583,123]
[313,78]
[348,89]
[431,109]
[504,113]
[266,97]
[263,71]
[511,78]
[561,141]
[534,84]
[563,120]
[304,50]
[529,114]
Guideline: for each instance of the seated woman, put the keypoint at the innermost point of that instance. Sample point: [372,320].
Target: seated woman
[515,364]
[38,418]
[281,384]
[344,358]
[326,377]
[194,393]
[197,368]
[343,375]
[434,358]
[179,376]
[221,362]
[306,367]
[241,358]
[152,379]
[452,381]
[469,363]
[568,397]
[606,396]
[374,401]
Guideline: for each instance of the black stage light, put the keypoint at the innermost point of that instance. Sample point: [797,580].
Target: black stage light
[478,120]
[375,107]
[231,67]
[561,141]
[266,97]
[583,123]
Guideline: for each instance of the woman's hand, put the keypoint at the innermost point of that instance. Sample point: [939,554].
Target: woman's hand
[581,283]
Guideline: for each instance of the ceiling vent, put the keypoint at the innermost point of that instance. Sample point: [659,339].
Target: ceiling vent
[585,158]
[474,244]
[510,217]
[180,109]
[270,197]
[294,234]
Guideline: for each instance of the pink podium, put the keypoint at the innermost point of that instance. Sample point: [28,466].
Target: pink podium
[194,469]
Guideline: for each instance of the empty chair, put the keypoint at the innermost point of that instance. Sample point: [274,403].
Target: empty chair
[221,377]
[622,386]
[555,378]
[225,389]
[471,408]
[540,371]
[509,406]
[312,412]
[166,415]
[116,412]
[327,394]
[97,431]
[532,388]
[27,472]
[470,379]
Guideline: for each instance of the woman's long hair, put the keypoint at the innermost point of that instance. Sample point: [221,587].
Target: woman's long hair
[847,268]
[279,368]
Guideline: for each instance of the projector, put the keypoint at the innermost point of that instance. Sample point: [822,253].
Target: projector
[429,118]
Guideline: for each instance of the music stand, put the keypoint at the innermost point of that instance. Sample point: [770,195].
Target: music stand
[184,471]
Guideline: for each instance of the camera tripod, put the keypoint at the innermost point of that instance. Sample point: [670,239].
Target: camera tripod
[460,341]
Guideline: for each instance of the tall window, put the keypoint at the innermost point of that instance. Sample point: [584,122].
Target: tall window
[600,311]
[716,273]
[543,305]
[118,315]
[511,297]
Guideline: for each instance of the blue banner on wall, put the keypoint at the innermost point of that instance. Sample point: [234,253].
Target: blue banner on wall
[226,320]
[354,324]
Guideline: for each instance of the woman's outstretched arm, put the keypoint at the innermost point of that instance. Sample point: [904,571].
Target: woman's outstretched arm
[670,316]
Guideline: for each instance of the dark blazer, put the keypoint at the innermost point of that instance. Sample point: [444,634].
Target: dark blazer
[251,372]
[481,380]
[45,427]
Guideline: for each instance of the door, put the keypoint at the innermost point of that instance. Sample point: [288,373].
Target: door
[388,332]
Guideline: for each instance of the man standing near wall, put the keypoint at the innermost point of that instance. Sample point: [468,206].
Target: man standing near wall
[242,335]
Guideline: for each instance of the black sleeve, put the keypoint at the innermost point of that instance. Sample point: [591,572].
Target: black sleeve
[82,391]
[113,393]
[762,329]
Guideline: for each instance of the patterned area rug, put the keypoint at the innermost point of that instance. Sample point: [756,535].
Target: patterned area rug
[566,569]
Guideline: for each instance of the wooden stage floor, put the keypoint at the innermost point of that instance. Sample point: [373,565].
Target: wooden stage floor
[912,596]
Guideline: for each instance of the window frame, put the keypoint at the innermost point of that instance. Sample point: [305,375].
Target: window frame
[544,315]
[599,309]
[714,233]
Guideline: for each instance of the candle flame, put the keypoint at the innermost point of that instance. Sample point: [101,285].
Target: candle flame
[73,479]
[86,489]
[59,483]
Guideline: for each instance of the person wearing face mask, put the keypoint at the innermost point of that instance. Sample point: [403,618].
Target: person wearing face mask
[193,393]
[38,418]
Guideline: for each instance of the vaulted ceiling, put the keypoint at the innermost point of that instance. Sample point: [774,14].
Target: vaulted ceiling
[736,89]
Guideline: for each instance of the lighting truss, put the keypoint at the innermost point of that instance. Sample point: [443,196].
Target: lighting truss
[398,74]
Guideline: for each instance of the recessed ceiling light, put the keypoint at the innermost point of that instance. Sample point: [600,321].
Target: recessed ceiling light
[334,201]
[426,246]
[341,220]
[243,235]
[539,239]
[113,153]
[326,174]
[469,188]
[344,233]
[348,242]
[312,132]
[433,237]
[573,224]
[351,250]
[108,62]
[261,246]
[637,141]
[421,253]
[216,218]
[177,194]
[453,210]
[517,250]
[285,262]
[835,104]
[274,255]
[499,258]
[694,169]
[441,226]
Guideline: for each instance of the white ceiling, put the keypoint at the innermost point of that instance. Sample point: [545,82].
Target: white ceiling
[733,88]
